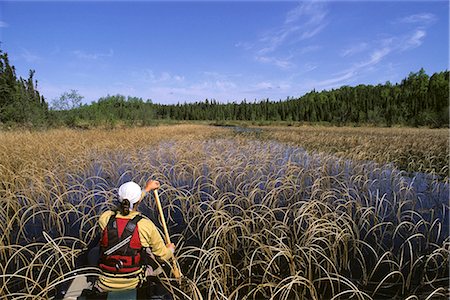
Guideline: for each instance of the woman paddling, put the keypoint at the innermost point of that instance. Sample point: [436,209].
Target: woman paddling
[127,237]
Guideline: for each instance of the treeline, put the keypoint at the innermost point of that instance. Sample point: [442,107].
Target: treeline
[419,100]
[20,101]
[107,111]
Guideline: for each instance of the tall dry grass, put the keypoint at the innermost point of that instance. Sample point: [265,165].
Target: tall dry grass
[410,149]
[251,219]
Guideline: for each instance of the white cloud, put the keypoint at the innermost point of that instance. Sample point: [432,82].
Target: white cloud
[355,49]
[423,18]
[279,62]
[225,85]
[376,51]
[220,86]
[265,85]
[165,76]
[336,81]
[80,54]
[268,88]
[308,49]
[374,58]
[244,45]
[308,67]
[312,11]
[165,87]
[213,83]
[275,38]
[148,76]
[223,88]
[303,22]
[3,24]
[29,56]
[276,45]
[383,48]
[379,51]
[313,31]
[414,40]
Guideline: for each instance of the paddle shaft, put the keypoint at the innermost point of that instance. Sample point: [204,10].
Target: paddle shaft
[176,272]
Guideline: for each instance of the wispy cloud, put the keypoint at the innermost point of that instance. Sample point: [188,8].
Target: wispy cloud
[377,51]
[148,76]
[423,18]
[80,54]
[414,40]
[303,22]
[336,80]
[264,85]
[198,91]
[308,49]
[215,81]
[29,56]
[244,45]
[382,48]
[225,85]
[166,87]
[310,16]
[374,58]
[355,49]
[285,63]
[211,85]
[3,24]
[269,85]
[277,45]
[307,67]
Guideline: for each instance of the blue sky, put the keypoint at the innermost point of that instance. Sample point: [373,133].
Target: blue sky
[229,51]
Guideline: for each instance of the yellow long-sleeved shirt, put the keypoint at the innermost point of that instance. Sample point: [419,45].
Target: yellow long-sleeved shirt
[149,237]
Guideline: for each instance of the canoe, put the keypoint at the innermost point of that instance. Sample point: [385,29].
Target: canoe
[81,286]
[81,289]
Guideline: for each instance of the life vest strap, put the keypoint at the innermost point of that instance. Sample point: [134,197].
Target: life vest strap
[118,256]
[113,234]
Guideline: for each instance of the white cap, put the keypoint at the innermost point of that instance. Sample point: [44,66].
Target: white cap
[130,191]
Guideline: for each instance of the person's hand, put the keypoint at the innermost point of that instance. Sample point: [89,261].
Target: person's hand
[152,185]
[171,247]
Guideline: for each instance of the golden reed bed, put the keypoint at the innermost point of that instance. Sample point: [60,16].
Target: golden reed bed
[255,219]
[410,149]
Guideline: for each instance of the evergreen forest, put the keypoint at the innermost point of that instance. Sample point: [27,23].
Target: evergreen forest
[418,100]
[20,101]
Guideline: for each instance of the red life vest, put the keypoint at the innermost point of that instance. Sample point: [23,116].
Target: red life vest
[121,246]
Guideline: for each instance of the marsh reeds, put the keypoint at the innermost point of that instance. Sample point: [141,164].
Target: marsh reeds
[251,219]
[409,149]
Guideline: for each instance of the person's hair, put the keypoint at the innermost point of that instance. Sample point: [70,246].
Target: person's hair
[124,207]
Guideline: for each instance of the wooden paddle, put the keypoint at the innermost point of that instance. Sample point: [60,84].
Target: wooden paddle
[176,272]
